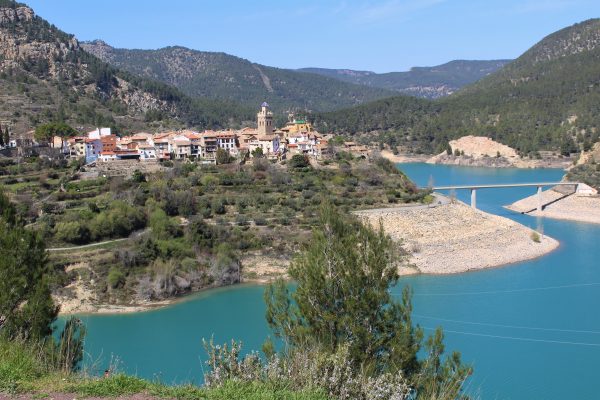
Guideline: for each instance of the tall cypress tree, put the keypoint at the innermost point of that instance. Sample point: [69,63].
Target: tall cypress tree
[6,136]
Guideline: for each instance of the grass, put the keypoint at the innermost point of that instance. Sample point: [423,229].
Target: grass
[122,385]
[24,369]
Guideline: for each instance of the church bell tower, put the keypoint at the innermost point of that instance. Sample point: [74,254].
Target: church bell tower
[265,120]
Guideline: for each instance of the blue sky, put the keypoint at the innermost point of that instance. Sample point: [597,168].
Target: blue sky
[381,36]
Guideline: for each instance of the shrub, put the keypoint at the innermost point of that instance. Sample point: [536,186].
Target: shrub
[260,221]
[223,157]
[299,161]
[116,278]
[335,374]
[218,206]
[72,232]
[280,178]
[225,267]
[241,220]
[209,180]
[535,237]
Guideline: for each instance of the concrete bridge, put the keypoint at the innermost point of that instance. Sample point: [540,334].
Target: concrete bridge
[473,188]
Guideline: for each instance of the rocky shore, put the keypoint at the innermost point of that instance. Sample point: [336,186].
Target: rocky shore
[480,151]
[442,239]
[404,157]
[500,162]
[573,207]
[454,238]
[79,298]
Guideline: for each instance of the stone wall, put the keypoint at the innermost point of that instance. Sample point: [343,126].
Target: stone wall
[120,168]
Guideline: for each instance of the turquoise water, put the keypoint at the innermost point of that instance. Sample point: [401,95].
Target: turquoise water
[484,314]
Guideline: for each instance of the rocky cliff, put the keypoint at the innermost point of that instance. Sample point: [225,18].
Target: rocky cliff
[46,75]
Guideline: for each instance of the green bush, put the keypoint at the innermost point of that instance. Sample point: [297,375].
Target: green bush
[116,278]
[218,206]
[72,232]
[299,161]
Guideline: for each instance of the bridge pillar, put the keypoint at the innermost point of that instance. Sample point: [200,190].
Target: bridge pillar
[539,198]
[474,198]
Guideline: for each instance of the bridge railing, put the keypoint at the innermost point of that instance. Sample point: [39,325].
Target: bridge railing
[473,189]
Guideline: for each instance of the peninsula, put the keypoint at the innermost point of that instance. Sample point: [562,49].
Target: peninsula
[451,237]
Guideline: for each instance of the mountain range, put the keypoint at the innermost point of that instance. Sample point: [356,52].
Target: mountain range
[226,77]
[428,82]
[45,75]
[547,99]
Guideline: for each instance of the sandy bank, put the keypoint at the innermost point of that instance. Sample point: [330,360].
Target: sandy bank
[404,158]
[481,151]
[500,162]
[78,298]
[454,238]
[572,208]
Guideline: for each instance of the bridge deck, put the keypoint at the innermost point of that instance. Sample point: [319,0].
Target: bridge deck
[504,185]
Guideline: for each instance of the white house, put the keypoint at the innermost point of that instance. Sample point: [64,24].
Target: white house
[106,156]
[98,133]
[147,152]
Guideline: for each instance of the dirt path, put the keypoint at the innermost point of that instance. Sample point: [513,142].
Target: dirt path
[86,245]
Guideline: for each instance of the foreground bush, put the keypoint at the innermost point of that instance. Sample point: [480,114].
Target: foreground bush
[341,329]
[299,369]
[26,368]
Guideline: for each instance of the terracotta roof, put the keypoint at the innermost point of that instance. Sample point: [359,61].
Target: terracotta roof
[225,134]
[267,137]
[140,136]
[107,153]
[145,146]
[162,135]
[182,142]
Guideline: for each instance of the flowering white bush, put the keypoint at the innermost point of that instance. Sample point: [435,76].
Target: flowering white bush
[336,374]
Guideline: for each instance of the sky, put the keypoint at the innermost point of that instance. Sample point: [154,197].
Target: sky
[380,36]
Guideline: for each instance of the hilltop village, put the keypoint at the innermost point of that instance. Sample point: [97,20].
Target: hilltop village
[276,144]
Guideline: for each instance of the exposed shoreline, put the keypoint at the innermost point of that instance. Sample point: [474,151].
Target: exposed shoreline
[454,238]
[445,239]
[480,162]
[260,269]
[405,157]
[574,207]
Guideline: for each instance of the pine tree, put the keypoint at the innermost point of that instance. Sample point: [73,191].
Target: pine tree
[1,137]
[343,298]
[26,304]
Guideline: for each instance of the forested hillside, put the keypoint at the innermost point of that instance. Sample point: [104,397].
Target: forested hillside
[226,77]
[45,75]
[427,82]
[547,99]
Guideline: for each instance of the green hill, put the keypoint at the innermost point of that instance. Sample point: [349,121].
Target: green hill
[45,75]
[427,82]
[226,77]
[547,99]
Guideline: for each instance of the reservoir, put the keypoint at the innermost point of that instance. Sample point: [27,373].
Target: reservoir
[531,330]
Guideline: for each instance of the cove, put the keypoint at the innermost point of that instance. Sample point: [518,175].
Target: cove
[531,330]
